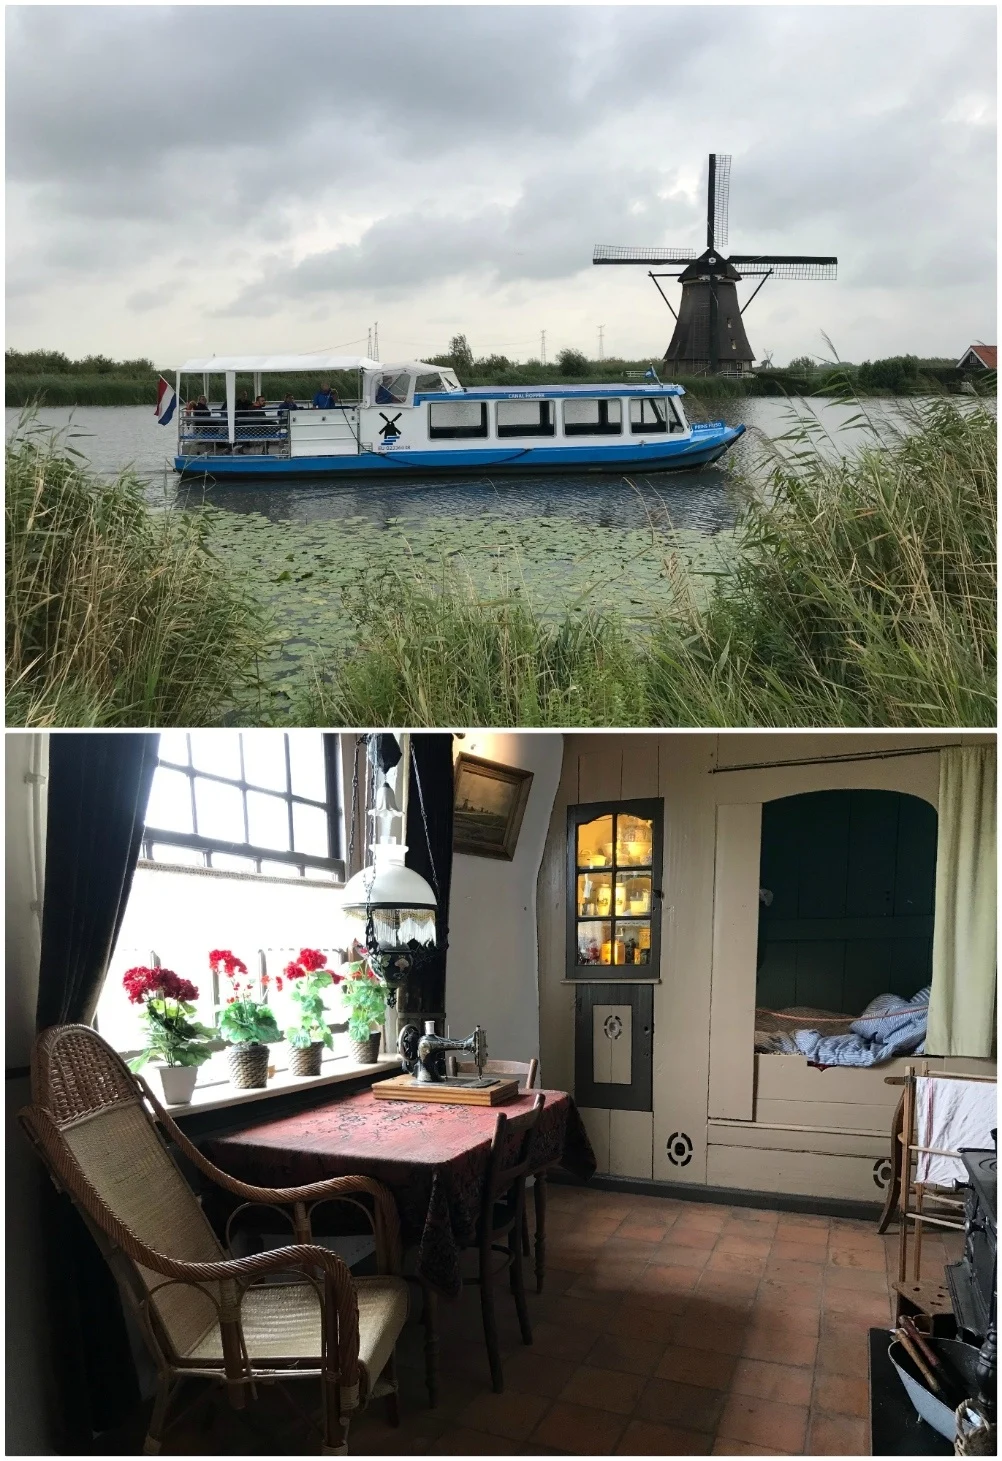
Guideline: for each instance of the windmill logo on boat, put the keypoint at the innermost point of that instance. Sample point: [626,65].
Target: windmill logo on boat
[709,332]
[391,430]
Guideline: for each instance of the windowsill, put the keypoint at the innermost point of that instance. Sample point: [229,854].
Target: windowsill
[334,1072]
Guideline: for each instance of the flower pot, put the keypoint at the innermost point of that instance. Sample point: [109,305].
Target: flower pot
[178,1082]
[248,1065]
[305,1059]
[365,1052]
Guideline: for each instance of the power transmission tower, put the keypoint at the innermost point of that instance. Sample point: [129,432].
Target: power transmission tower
[542,347]
[601,343]
[375,339]
[368,343]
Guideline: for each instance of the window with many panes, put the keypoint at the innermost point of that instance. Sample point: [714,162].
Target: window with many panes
[614,861]
[247,801]
[242,850]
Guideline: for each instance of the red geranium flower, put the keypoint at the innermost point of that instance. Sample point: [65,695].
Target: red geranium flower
[294,971]
[223,960]
[311,960]
[142,982]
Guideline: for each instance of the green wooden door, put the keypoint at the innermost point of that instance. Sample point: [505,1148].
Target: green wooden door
[852,878]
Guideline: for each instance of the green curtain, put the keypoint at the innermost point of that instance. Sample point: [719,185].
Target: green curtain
[962,1005]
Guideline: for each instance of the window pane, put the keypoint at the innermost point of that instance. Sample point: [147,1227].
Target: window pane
[594,895]
[634,841]
[219,810]
[185,856]
[319,874]
[226,862]
[633,941]
[264,759]
[174,747]
[216,751]
[310,830]
[169,806]
[279,869]
[306,753]
[633,894]
[594,943]
[268,819]
[595,843]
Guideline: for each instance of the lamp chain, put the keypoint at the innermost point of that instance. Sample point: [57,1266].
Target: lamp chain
[424,819]
[359,740]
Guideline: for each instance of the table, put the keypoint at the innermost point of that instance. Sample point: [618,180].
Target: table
[433,1158]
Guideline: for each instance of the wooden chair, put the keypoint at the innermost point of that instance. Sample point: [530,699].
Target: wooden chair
[500,1230]
[919,1204]
[103,1136]
[528,1069]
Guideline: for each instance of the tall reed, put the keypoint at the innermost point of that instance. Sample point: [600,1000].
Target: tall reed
[116,614]
[863,593]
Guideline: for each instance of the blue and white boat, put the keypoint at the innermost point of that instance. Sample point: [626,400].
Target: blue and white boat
[417,418]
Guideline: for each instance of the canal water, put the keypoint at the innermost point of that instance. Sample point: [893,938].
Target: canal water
[704,501]
[307,549]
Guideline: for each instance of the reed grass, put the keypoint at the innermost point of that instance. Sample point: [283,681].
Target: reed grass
[863,594]
[117,614]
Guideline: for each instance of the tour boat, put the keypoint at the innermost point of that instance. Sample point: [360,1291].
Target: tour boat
[417,418]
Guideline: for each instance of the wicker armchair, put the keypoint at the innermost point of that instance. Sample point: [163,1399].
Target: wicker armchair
[103,1135]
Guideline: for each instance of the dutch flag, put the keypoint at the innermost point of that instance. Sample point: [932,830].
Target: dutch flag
[166,401]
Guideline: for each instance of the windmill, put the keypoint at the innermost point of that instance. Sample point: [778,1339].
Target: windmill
[709,329]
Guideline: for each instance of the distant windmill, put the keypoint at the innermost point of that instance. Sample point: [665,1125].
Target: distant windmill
[709,333]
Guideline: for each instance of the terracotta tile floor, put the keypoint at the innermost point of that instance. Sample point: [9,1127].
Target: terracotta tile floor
[665,1328]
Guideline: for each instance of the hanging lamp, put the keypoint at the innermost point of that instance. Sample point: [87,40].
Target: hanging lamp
[389,909]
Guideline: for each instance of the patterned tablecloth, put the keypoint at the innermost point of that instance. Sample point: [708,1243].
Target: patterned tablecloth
[433,1158]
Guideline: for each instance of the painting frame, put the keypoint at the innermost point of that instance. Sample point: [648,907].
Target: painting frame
[499,837]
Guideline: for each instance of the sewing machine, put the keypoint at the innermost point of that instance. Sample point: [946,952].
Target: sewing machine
[423,1056]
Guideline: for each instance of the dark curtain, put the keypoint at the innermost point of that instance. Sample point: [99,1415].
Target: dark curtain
[430,854]
[97,792]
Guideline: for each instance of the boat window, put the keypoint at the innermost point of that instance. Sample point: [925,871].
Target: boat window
[647,416]
[393,390]
[433,382]
[526,418]
[676,420]
[448,420]
[593,418]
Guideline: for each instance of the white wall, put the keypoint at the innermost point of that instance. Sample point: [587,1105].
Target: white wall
[493,962]
[28,1367]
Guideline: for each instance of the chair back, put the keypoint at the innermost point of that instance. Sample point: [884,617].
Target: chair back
[507,1169]
[90,1124]
[526,1068]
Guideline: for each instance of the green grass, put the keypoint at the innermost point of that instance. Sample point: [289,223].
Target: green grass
[117,615]
[863,594]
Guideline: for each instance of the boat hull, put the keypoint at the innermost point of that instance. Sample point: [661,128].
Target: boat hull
[703,447]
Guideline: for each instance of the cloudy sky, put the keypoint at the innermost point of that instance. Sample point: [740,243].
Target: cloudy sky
[186,181]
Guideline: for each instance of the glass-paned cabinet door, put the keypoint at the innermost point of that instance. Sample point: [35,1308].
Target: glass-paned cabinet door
[614,861]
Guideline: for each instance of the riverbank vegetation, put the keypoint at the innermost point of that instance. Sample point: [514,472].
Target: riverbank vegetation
[117,615]
[48,378]
[862,594]
[857,592]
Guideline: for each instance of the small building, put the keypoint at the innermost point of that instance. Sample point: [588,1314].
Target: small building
[979,357]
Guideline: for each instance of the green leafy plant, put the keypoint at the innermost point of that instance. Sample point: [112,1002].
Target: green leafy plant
[245,1020]
[364,995]
[172,1036]
[310,976]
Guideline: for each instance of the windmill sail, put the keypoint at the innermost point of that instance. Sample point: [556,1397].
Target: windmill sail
[656,254]
[721,200]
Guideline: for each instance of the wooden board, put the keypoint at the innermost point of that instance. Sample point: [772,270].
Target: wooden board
[406,1088]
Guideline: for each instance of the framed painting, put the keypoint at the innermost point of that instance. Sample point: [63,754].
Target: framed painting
[489,803]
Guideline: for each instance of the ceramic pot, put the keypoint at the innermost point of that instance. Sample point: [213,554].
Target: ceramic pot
[178,1082]
[248,1065]
[305,1060]
[365,1052]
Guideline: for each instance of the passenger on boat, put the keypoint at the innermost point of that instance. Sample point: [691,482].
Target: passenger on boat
[201,410]
[284,407]
[325,398]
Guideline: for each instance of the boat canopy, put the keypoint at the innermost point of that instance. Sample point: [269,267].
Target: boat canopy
[397,384]
[278,364]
